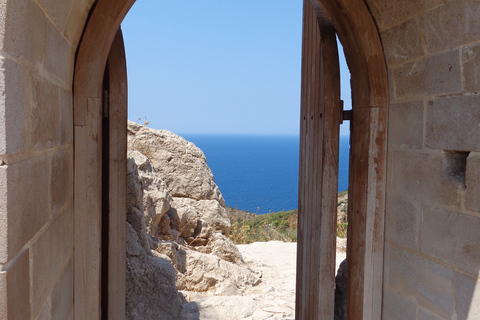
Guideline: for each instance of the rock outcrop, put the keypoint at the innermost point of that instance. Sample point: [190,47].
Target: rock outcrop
[150,281]
[179,163]
[180,218]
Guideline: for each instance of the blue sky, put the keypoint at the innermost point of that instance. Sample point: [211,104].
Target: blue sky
[216,66]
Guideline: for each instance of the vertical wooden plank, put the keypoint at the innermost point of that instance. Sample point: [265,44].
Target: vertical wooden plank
[303,234]
[365,239]
[318,176]
[300,279]
[356,249]
[117,179]
[88,212]
[312,72]
[329,170]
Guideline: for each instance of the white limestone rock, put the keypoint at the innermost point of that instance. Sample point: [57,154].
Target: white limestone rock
[156,198]
[205,272]
[222,247]
[216,308]
[174,198]
[177,161]
[210,211]
[150,280]
[151,293]
[183,218]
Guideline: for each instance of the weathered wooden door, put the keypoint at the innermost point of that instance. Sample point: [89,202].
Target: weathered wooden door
[114,197]
[100,194]
[318,181]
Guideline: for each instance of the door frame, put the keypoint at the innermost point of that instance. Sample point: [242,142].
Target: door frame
[364,54]
[99,233]
[369,84]
[320,116]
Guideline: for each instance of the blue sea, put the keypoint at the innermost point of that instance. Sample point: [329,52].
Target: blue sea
[259,173]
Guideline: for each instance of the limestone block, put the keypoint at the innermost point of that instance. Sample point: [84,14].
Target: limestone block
[12,107]
[402,222]
[452,237]
[418,279]
[25,27]
[15,290]
[62,296]
[443,73]
[61,179]
[471,68]
[396,307]
[45,314]
[50,254]
[59,57]
[76,20]
[426,315]
[450,25]
[472,182]
[390,12]
[66,117]
[453,123]
[26,214]
[406,125]
[420,176]
[467,297]
[45,106]
[409,79]
[58,11]
[402,42]
[435,75]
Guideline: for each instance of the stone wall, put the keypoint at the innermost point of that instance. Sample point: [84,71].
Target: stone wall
[432,257]
[38,40]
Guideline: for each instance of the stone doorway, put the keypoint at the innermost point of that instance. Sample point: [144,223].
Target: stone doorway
[353,23]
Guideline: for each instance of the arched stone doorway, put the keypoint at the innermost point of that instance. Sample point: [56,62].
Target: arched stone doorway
[355,28]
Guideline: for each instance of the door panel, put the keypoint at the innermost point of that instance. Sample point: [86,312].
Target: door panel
[115,174]
[318,180]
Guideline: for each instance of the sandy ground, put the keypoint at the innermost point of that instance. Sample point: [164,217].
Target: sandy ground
[273,298]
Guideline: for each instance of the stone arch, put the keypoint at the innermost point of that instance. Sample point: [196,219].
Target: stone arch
[358,34]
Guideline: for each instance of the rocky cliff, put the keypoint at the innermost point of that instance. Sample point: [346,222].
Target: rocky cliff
[176,214]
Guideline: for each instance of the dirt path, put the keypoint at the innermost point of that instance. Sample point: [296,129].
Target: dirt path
[272,299]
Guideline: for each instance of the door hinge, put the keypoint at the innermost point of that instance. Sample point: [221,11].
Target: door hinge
[345,114]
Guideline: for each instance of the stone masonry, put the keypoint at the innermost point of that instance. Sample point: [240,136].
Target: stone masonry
[38,40]
[432,262]
[432,256]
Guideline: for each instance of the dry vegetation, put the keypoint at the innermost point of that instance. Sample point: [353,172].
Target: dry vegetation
[247,227]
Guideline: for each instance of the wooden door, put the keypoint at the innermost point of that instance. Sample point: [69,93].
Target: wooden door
[100,194]
[114,172]
[318,181]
